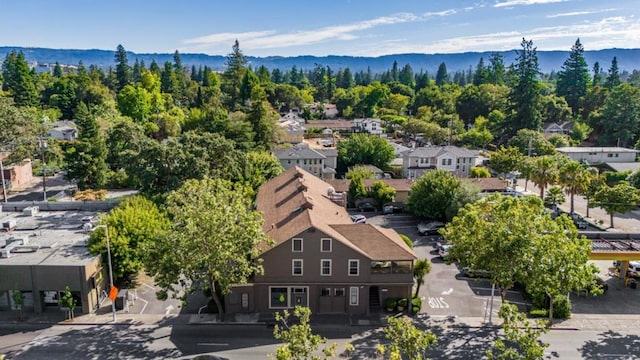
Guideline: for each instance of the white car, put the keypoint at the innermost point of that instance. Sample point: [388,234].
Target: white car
[358,219]
[443,250]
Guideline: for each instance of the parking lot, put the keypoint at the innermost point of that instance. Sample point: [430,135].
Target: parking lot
[446,292]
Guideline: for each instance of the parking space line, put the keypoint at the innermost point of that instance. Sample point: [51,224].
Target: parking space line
[145,304]
[489,290]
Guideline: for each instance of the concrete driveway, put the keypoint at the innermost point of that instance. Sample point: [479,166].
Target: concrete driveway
[446,292]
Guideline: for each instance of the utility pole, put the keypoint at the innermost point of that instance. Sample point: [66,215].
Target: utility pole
[4,186]
[43,145]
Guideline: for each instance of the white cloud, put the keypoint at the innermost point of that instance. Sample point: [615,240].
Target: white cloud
[270,39]
[525,2]
[578,13]
[606,33]
[443,13]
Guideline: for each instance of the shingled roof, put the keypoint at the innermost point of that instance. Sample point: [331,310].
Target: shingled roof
[296,200]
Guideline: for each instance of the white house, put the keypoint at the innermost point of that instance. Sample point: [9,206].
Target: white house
[598,155]
[63,130]
[372,126]
[320,163]
[456,160]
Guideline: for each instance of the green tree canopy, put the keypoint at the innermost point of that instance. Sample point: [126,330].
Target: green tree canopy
[363,149]
[300,343]
[434,195]
[574,77]
[218,237]
[133,225]
[617,199]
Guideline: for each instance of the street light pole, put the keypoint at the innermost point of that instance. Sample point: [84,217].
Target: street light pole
[113,303]
[43,145]
[4,186]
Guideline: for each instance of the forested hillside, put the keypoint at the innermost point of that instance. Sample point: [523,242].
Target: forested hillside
[153,125]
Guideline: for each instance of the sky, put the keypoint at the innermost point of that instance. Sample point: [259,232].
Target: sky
[321,27]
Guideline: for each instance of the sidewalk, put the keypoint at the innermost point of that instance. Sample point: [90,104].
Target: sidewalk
[594,322]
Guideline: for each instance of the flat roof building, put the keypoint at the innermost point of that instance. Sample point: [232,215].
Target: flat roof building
[41,253]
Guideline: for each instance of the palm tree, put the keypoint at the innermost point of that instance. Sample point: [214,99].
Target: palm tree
[594,183]
[544,173]
[575,179]
[420,269]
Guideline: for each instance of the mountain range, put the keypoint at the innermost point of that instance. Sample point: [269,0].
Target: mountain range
[628,59]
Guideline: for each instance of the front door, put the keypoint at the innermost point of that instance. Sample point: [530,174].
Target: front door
[300,297]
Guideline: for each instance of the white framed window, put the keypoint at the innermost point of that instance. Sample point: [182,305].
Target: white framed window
[354,267]
[354,295]
[325,245]
[296,267]
[278,297]
[296,245]
[325,267]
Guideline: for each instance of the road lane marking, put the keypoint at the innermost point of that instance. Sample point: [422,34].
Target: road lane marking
[212,344]
[447,292]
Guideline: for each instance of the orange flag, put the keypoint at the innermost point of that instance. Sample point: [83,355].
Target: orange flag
[113,293]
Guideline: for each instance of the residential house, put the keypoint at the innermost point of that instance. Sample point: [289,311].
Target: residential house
[63,130]
[321,259]
[320,162]
[456,160]
[563,128]
[600,155]
[292,128]
[371,126]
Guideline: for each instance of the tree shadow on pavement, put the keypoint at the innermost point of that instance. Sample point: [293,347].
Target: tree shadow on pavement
[456,340]
[612,345]
[101,342]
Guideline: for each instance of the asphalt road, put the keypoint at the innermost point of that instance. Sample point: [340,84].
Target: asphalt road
[256,342]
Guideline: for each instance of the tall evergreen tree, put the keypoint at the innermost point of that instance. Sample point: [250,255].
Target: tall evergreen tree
[481,76]
[525,96]
[233,75]
[406,76]
[123,71]
[86,160]
[19,81]
[57,70]
[136,72]
[613,79]
[394,71]
[597,74]
[496,69]
[442,77]
[574,77]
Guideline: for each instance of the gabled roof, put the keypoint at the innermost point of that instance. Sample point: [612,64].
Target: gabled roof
[488,184]
[296,200]
[436,151]
[377,242]
[300,151]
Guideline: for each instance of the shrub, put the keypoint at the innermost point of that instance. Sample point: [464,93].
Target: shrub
[402,303]
[52,199]
[406,240]
[390,304]
[416,304]
[539,313]
[561,307]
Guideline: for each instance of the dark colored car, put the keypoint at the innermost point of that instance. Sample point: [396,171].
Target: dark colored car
[392,208]
[430,228]
[365,206]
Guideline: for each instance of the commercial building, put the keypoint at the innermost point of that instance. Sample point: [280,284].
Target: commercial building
[41,253]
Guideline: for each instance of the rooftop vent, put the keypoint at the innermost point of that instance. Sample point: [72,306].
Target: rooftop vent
[31,211]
